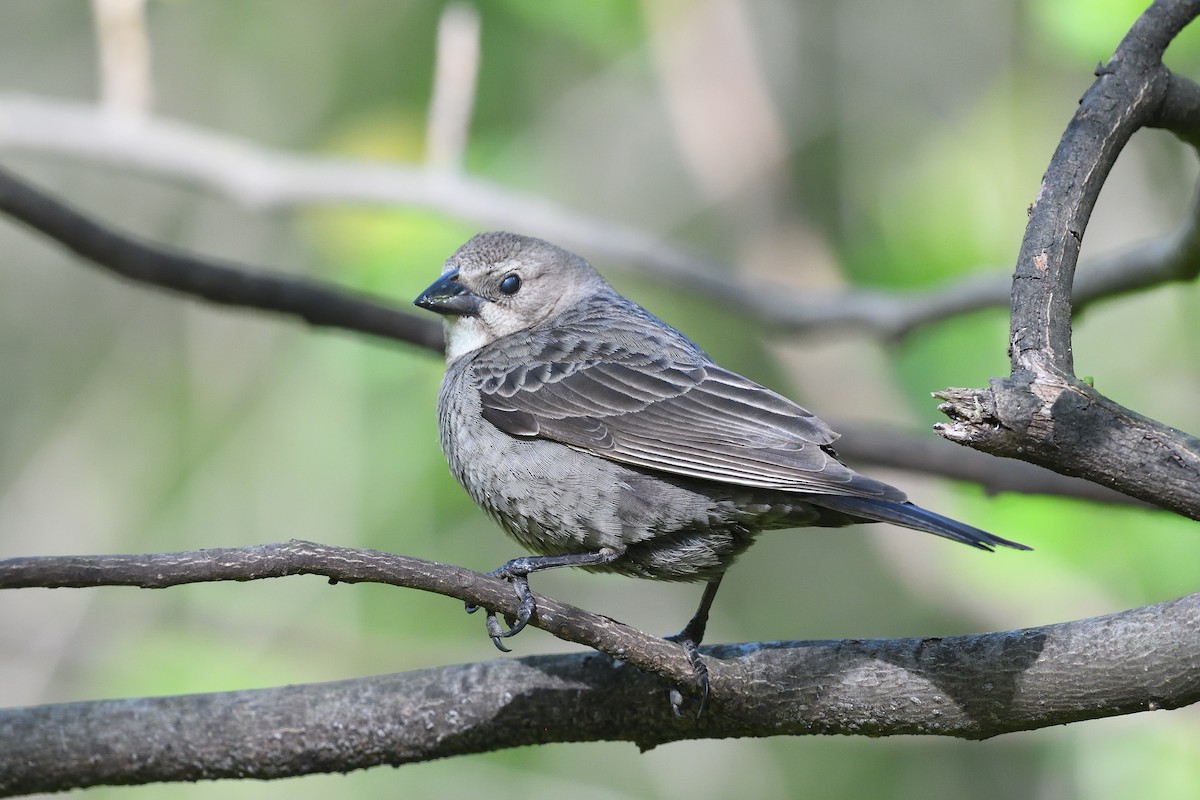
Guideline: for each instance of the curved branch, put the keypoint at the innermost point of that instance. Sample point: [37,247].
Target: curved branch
[224,284]
[1127,94]
[347,565]
[970,686]
[881,447]
[1042,412]
[259,177]
[973,687]
[1174,258]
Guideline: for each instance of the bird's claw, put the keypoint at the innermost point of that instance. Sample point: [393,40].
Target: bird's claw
[699,673]
[525,611]
[496,632]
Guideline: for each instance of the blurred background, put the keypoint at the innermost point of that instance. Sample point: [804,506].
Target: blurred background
[811,145]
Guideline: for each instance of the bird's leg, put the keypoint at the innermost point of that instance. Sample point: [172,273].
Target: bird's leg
[517,572]
[690,637]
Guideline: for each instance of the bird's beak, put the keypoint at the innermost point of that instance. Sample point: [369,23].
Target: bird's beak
[447,296]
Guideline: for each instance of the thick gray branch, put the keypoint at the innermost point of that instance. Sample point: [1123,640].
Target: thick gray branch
[966,686]
[1042,412]
[875,446]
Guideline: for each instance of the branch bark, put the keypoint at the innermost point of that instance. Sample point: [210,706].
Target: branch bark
[872,445]
[347,565]
[972,687]
[1042,413]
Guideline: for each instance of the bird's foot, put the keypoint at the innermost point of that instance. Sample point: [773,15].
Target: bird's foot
[517,572]
[699,673]
[519,578]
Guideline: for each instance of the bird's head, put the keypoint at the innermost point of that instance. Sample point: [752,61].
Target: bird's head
[498,284]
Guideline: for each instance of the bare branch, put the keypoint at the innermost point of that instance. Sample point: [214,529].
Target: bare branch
[1180,110]
[872,445]
[346,565]
[224,284]
[260,177]
[263,178]
[966,686]
[1042,412]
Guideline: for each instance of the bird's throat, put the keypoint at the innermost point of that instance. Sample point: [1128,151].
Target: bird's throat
[464,335]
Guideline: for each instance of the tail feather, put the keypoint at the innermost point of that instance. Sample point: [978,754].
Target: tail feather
[912,516]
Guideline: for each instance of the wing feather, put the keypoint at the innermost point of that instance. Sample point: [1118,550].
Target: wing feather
[658,402]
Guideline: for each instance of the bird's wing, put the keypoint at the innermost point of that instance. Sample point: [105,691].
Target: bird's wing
[675,412]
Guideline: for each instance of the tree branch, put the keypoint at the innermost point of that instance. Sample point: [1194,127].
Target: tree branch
[314,302]
[973,687]
[1042,413]
[872,445]
[264,178]
[259,177]
[346,565]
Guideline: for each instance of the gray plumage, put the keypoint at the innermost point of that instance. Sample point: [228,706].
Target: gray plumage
[591,430]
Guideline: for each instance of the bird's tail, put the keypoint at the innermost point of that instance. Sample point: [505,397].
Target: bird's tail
[912,516]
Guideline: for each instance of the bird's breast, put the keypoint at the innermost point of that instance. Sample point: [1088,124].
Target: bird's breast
[554,499]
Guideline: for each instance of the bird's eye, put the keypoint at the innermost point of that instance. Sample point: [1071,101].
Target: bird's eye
[511,284]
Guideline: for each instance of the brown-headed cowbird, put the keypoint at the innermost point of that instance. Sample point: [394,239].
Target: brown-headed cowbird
[600,437]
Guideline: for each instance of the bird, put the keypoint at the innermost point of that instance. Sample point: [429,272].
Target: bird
[600,437]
